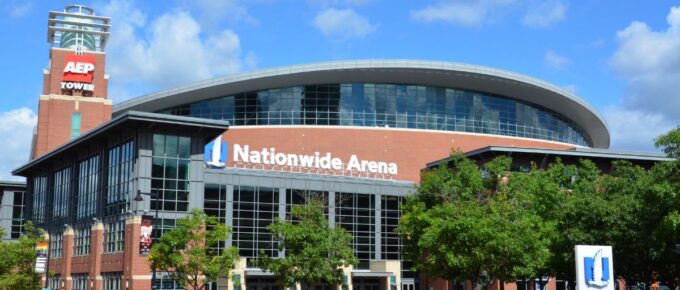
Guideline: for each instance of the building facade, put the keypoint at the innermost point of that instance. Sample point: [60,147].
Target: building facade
[247,147]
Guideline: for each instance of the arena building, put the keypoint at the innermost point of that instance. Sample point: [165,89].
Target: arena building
[246,147]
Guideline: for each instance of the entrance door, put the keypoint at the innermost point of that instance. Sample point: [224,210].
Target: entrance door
[261,283]
[366,283]
[408,284]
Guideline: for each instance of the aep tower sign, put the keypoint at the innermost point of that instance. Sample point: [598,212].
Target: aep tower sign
[594,268]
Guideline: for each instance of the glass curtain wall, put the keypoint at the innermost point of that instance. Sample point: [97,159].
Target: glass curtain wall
[389,105]
[39,199]
[88,186]
[356,214]
[170,172]
[254,209]
[119,178]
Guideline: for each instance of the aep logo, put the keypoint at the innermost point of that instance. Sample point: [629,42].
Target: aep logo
[78,68]
[215,153]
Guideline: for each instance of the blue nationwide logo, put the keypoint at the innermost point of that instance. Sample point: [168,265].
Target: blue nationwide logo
[215,153]
[597,270]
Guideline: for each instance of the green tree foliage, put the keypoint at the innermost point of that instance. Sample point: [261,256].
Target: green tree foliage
[17,261]
[315,252]
[664,212]
[187,251]
[466,222]
[670,143]
[486,223]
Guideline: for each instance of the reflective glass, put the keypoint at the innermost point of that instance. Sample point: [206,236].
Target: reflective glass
[388,105]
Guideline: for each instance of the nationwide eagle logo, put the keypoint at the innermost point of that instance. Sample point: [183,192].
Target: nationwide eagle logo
[215,153]
[597,270]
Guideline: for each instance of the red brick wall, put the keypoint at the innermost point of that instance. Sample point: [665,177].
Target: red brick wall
[54,120]
[52,81]
[55,109]
[410,149]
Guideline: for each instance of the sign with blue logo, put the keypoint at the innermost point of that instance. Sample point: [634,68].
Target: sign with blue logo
[215,153]
[594,268]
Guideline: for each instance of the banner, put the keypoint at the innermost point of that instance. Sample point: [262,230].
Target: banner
[146,235]
[41,260]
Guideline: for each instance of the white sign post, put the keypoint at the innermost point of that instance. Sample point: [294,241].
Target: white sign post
[594,268]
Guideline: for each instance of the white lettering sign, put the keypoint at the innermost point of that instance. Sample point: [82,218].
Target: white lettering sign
[77,86]
[78,67]
[269,156]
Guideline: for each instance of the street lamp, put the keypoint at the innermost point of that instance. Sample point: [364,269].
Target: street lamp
[139,198]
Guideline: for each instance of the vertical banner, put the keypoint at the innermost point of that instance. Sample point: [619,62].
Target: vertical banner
[146,235]
[41,260]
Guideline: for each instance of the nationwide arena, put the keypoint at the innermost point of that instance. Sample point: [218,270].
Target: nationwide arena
[246,147]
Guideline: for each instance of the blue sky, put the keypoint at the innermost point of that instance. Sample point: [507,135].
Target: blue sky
[623,57]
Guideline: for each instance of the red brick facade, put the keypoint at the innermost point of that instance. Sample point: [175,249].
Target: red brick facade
[410,149]
[134,267]
[56,106]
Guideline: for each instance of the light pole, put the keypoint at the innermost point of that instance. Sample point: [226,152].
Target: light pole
[138,198]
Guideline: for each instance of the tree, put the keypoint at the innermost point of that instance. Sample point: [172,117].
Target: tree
[670,143]
[17,260]
[664,200]
[465,222]
[315,252]
[186,252]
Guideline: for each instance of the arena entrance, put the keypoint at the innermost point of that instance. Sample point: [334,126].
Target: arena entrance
[261,283]
[366,283]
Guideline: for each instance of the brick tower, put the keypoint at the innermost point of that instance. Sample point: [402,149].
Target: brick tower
[74,99]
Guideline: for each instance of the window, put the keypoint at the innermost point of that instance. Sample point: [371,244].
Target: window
[215,205]
[388,105]
[120,177]
[39,199]
[302,197]
[112,281]
[75,125]
[161,226]
[17,215]
[81,245]
[56,244]
[170,172]
[114,236]
[61,189]
[356,214]
[163,282]
[254,209]
[80,282]
[391,240]
[54,282]
[88,185]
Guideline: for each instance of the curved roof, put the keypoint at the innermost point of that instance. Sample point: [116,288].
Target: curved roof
[431,73]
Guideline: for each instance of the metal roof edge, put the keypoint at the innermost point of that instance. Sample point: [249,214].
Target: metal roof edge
[602,140]
[579,152]
[12,183]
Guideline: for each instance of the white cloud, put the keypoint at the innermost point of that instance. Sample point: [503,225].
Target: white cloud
[635,130]
[342,24]
[217,11]
[169,50]
[545,13]
[327,3]
[649,63]
[20,9]
[555,61]
[16,127]
[467,13]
